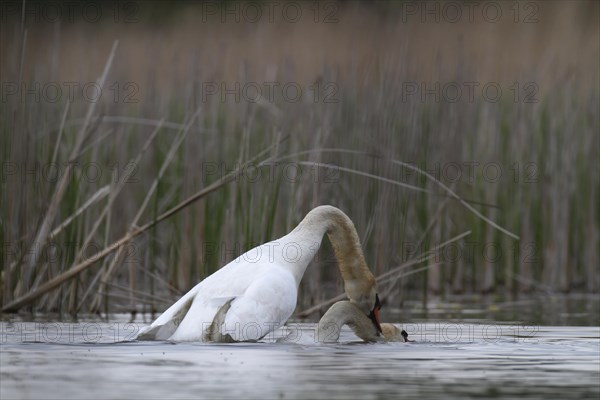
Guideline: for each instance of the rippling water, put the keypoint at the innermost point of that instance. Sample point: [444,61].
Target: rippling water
[446,360]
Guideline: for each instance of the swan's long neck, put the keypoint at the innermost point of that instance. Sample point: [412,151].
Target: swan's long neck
[346,313]
[359,283]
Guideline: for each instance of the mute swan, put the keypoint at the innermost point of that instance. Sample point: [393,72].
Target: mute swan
[256,293]
[346,313]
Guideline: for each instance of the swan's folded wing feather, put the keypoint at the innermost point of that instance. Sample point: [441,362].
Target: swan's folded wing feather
[265,306]
[190,316]
[165,325]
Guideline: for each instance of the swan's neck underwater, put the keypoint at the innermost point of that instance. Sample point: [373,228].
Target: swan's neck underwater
[346,313]
[359,282]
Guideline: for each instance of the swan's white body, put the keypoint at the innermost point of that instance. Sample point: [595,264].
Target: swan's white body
[256,293]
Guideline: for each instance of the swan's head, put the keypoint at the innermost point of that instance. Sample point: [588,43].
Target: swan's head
[391,333]
[363,294]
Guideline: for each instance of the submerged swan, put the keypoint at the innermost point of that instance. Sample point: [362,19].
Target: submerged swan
[256,293]
[347,313]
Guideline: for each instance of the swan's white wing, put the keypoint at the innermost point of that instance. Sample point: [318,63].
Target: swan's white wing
[190,316]
[265,306]
[263,301]
[202,301]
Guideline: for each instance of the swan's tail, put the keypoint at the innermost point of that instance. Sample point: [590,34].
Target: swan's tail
[164,328]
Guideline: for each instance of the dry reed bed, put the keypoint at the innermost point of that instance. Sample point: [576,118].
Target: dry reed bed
[546,151]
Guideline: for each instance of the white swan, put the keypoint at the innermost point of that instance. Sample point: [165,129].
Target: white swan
[347,313]
[256,293]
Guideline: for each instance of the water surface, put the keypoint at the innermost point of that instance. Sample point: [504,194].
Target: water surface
[447,360]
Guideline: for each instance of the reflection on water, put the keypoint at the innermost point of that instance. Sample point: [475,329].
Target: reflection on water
[580,310]
[447,360]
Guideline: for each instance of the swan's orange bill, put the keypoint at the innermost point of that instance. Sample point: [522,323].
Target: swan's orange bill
[376,320]
[375,314]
